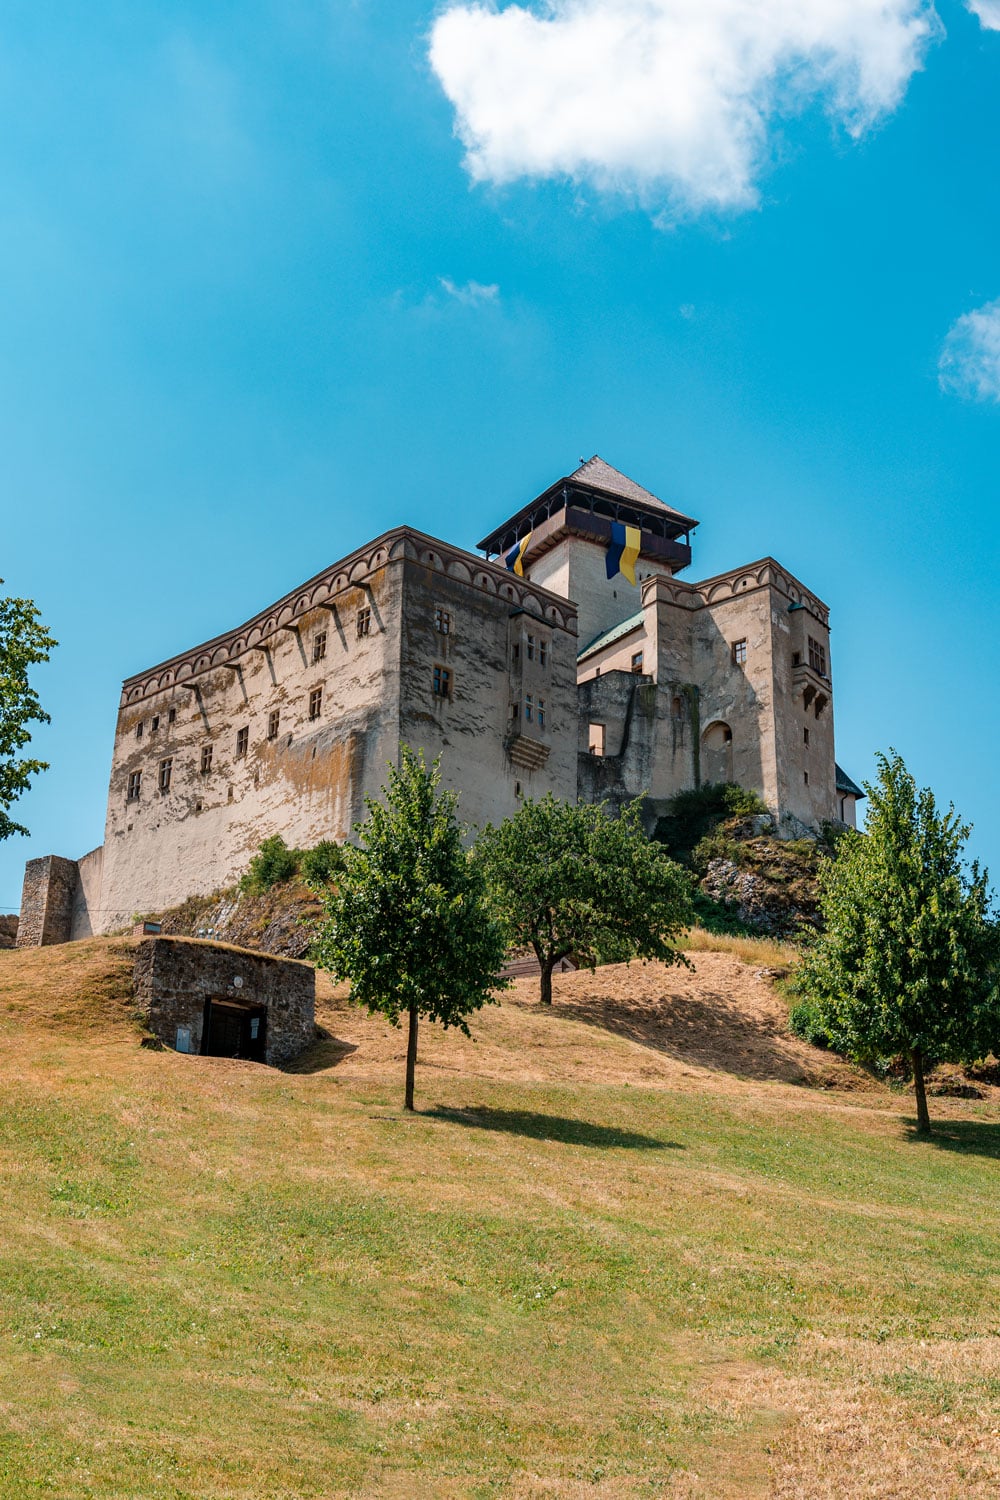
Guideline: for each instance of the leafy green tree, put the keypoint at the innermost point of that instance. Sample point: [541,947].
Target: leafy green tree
[409,923]
[319,865]
[24,642]
[571,882]
[907,962]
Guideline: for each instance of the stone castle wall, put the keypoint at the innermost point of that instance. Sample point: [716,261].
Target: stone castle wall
[47,901]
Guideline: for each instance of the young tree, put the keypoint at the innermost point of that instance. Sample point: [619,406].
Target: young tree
[907,962]
[570,881]
[409,924]
[24,642]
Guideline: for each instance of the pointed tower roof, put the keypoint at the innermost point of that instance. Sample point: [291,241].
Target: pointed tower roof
[596,486]
[602,476]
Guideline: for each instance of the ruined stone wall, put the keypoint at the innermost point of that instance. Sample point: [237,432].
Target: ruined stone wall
[174,977]
[47,902]
[510,651]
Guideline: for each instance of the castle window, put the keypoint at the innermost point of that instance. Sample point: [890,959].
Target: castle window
[637,662]
[531,648]
[171,716]
[806,775]
[514,711]
[817,657]
[315,702]
[206,759]
[166,767]
[796,658]
[134,786]
[519,793]
[528,706]
[739,653]
[319,645]
[138,730]
[442,622]
[517,652]
[543,652]
[364,622]
[273,720]
[805,735]
[242,743]
[154,726]
[678,707]
[597,736]
[442,682]
[541,713]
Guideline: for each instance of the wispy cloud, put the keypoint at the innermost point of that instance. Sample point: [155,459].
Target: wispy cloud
[666,101]
[970,359]
[472,293]
[988,12]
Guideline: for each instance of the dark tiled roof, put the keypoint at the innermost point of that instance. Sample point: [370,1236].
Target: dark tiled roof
[603,477]
[846,785]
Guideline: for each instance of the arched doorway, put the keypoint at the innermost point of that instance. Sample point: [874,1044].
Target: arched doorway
[717,753]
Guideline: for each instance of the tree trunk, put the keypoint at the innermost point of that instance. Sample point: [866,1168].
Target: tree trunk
[923,1118]
[545,991]
[411,1057]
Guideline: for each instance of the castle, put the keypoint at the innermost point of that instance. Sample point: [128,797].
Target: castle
[570,658]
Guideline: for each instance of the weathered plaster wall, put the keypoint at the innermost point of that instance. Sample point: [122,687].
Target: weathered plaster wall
[86,918]
[174,977]
[576,568]
[491,751]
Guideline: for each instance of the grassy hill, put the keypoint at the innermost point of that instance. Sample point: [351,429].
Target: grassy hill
[648,1244]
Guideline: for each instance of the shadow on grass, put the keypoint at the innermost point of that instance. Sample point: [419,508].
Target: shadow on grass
[325,1053]
[549,1128]
[970,1137]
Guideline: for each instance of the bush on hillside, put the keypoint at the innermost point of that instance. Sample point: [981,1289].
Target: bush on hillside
[273,863]
[318,866]
[694,814]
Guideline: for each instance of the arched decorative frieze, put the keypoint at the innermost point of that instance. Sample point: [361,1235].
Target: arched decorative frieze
[458,569]
[358,571]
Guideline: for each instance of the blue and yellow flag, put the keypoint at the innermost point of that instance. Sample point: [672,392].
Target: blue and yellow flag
[623,550]
[515,557]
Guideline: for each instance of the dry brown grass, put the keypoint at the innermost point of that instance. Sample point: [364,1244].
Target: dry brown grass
[622,1251]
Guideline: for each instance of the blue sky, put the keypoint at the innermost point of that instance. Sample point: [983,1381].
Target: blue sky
[277,275]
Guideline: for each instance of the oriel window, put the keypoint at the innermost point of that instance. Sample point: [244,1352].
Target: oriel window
[541,713]
[529,708]
[637,662]
[817,657]
[531,648]
[543,652]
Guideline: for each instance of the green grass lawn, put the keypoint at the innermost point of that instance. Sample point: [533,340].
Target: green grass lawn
[218,1280]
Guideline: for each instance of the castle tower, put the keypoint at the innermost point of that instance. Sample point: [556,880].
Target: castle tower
[591,523]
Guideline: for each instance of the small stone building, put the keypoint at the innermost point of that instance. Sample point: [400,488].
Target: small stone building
[217,1001]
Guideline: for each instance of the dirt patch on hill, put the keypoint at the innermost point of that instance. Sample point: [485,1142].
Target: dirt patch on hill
[680,1025]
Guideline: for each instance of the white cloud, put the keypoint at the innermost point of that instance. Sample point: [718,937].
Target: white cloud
[970,360]
[988,12]
[472,294]
[665,100]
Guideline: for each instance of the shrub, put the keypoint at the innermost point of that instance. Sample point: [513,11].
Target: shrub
[692,814]
[318,866]
[273,863]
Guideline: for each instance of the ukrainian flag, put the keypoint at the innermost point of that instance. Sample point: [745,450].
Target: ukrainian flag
[623,550]
[515,557]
